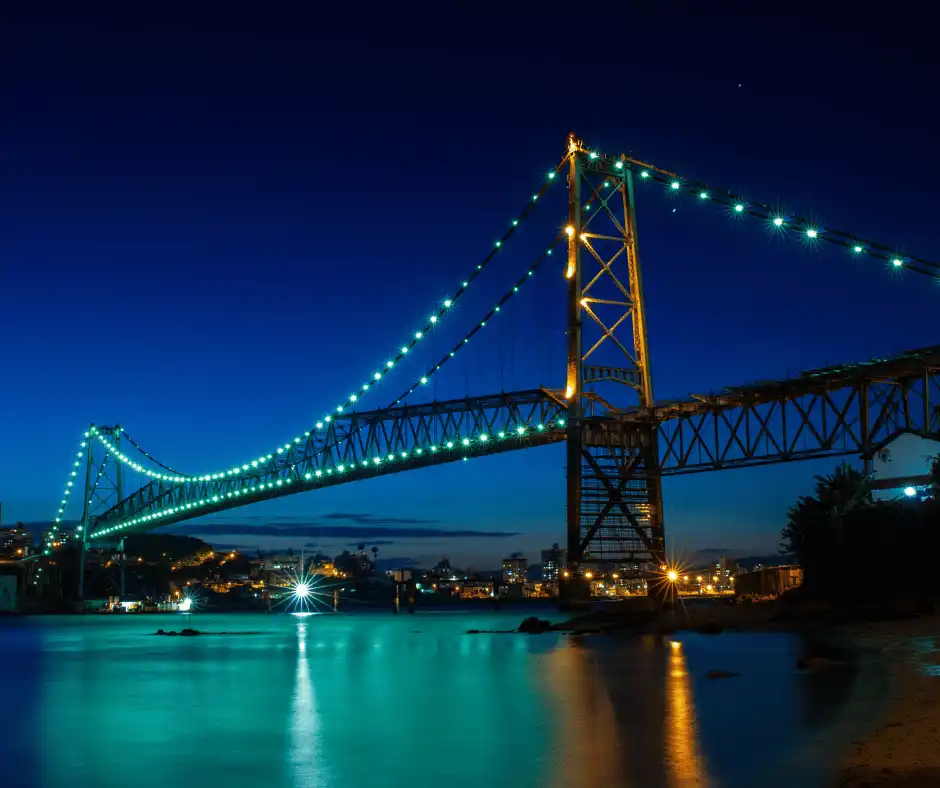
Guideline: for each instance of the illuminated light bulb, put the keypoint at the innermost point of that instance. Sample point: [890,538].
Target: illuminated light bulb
[404,350]
[450,444]
[433,318]
[897,262]
[778,221]
[619,165]
[484,438]
[499,243]
[675,185]
[910,492]
[377,376]
[389,364]
[569,231]
[857,249]
[466,441]
[465,284]
[606,184]
[584,237]
[551,175]
[515,222]
[302,590]
[704,195]
[739,207]
[812,233]
[561,422]
[424,381]
[418,334]
[644,174]
[592,155]
[569,272]
[569,390]
[520,430]
[353,398]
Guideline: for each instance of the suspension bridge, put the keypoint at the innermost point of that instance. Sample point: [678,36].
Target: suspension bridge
[619,440]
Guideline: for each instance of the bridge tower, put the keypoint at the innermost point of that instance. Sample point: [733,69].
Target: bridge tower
[104,488]
[614,509]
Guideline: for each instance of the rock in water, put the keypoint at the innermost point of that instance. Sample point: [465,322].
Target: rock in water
[534,626]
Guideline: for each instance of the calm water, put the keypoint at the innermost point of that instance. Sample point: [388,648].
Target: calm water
[370,700]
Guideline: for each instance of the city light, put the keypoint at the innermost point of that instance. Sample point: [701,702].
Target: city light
[910,492]
[673,575]
[302,590]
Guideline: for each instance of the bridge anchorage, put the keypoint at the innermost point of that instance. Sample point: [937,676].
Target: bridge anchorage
[620,442]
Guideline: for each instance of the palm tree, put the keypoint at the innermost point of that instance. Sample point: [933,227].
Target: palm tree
[375,554]
[816,524]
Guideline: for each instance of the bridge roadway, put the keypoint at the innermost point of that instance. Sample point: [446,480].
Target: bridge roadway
[848,410]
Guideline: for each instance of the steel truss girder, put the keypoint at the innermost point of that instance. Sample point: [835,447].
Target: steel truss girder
[853,411]
[402,438]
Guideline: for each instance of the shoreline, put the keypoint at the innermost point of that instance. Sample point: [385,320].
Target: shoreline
[903,749]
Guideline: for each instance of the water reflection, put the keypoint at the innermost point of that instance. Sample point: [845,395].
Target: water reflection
[625,716]
[684,760]
[369,700]
[307,766]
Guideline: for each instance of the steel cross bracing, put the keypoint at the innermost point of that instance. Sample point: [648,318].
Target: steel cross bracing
[851,410]
[614,493]
[355,446]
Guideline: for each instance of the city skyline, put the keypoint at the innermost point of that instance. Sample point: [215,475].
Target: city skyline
[204,227]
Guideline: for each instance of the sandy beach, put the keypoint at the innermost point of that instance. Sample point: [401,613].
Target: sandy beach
[904,749]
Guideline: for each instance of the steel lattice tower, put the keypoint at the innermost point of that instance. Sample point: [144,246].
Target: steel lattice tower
[614,488]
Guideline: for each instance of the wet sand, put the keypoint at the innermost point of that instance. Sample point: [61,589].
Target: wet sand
[904,749]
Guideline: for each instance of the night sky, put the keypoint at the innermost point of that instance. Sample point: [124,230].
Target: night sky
[213,230]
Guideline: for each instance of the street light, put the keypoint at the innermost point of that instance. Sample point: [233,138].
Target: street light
[673,575]
[910,492]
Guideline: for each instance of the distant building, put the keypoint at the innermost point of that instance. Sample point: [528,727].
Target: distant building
[554,561]
[515,570]
[16,542]
[475,589]
[768,581]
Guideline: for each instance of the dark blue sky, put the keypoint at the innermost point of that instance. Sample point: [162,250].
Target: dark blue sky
[212,230]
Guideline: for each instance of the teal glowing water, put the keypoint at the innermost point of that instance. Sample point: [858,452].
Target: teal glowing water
[367,700]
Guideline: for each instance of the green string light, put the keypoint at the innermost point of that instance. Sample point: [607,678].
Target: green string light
[378,376]
[69,486]
[794,224]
